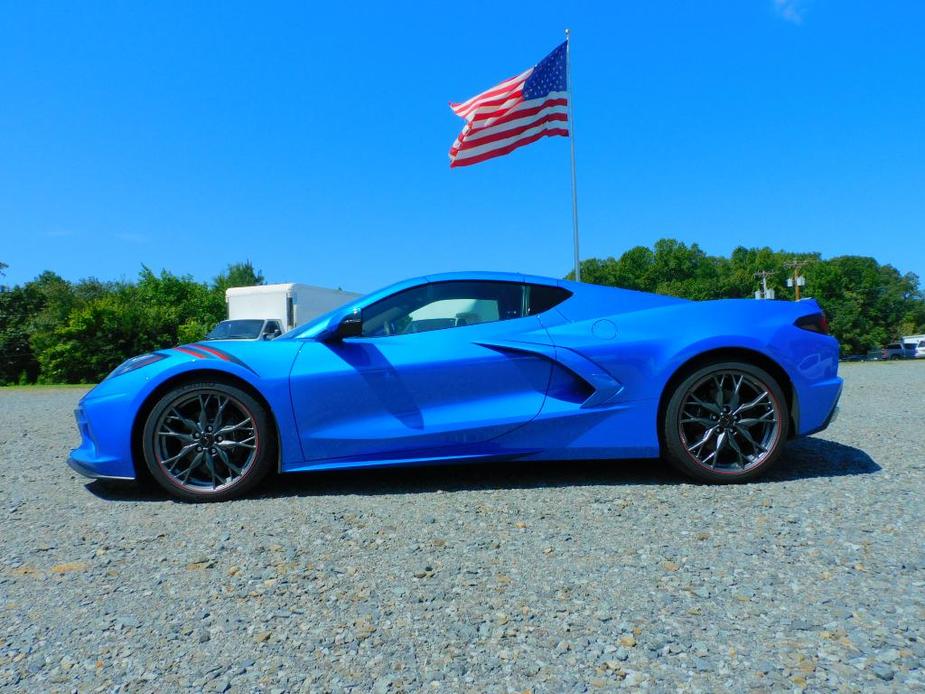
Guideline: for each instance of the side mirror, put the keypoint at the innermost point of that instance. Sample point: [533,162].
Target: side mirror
[350,325]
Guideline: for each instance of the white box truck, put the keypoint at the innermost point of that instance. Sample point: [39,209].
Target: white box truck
[265,311]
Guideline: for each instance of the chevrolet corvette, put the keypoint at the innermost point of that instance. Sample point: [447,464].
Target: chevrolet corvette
[472,367]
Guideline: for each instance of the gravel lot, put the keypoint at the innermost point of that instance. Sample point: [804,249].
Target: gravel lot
[555,577]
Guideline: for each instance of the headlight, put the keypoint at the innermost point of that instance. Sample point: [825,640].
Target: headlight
[136,363]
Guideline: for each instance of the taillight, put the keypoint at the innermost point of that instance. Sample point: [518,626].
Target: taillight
[816,323]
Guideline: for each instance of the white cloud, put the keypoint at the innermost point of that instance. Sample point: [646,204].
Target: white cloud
[790,10]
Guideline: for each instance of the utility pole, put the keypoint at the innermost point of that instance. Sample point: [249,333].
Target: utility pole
[796,280]
[764,292]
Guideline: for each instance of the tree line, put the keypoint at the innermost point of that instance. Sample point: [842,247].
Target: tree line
[56,331]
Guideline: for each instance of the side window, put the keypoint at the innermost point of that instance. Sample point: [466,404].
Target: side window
[542,297]
[443,305]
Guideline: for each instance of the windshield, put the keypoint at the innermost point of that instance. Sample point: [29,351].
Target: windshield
[319,323]
[236,330]
[316,325]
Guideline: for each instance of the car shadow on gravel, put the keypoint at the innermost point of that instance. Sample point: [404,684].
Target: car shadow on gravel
[802,459]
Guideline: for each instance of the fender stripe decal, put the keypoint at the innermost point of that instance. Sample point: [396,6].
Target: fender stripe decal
[192,352]
[204,352]
[223,355]
[214,352]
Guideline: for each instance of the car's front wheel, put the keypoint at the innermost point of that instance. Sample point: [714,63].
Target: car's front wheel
[208,442]
[726,422]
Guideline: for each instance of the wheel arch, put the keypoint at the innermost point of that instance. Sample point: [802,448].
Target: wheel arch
[192,376]
[743,354]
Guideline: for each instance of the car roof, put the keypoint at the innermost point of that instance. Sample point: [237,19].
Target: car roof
[485,276]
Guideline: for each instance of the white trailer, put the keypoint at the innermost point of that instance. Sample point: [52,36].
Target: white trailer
[291,304]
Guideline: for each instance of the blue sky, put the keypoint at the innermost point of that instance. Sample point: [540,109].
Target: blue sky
[312,137]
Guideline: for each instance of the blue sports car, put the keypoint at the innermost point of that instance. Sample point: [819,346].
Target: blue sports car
[466,367]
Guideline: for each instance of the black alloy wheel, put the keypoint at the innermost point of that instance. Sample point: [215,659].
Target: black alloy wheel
[208,442]
[726,422]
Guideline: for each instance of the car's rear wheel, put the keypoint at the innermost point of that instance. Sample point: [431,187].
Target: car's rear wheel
[726,422]
[208,442]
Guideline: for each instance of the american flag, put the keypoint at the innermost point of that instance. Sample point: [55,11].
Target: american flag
[514,113]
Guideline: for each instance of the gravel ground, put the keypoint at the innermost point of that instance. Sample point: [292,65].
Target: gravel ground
[555,577]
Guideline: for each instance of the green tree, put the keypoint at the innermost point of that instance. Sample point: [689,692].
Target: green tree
[238,275]
[57,300]
[682,270]
[17,359]
[123,320]
[633,270]
[867,303]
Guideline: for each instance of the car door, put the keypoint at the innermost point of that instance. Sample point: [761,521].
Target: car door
[426,379]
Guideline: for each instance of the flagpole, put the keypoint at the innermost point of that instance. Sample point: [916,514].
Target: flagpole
[571,139]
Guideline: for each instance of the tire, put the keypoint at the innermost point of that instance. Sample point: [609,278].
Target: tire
[208,442]
[726,422]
